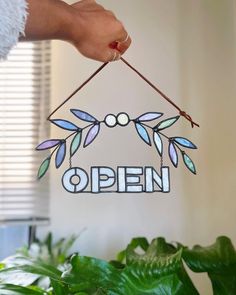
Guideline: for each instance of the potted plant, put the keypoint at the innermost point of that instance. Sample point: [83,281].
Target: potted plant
[158,270]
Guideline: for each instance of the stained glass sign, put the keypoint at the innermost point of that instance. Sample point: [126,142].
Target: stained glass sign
[150,128]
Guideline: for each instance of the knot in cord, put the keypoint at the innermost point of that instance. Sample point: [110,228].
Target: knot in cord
[188,117]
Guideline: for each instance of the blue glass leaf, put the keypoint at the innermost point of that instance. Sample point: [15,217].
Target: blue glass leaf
[48,144]
[61,153]
[64,124]
[149,117]
[43,168]
[189,163]
[142,132]
[92,134]
[158,142]
[166,123]
[173,154]
[184,142]
[83,116]
[75,144]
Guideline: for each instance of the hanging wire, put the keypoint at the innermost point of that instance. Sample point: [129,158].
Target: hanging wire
[181,112]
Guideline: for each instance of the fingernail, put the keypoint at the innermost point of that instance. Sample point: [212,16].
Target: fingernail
[113,45]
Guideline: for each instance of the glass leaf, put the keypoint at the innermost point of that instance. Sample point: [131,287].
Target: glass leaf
[43,168]
[149,117]
[166,123]
[83,116]
[142,132]
[173,154]
[184,142]
[189,163]
[92,134]
[48,144]
[61,153]
[158,142]
[75,144]
[64,124]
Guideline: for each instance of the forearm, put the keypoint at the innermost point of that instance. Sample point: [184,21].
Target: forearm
[48,19]
[85,24]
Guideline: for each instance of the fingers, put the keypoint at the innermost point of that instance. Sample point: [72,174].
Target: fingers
[123,46]
[123,35]
[115,55]
[122,41]
[110,56]
[118,48]
[101,36]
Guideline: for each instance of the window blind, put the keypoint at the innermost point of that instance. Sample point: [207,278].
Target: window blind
[24,105]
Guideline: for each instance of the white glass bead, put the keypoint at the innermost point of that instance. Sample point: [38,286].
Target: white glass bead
[110,120]
[123,119]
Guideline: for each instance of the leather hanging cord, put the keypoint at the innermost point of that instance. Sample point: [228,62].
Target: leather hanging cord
[78,89]
[181,112]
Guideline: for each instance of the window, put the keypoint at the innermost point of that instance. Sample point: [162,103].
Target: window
[12,238]
[24,105]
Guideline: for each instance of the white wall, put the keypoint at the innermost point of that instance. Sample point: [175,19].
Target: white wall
[186,47]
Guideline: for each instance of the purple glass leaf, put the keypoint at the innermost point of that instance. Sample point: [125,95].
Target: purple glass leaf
[149,117]
[173,154]
[158,142]
[83,116]
[48,144]
[64,124]
[184,142]
[142,132]
[91,135]
[61,153]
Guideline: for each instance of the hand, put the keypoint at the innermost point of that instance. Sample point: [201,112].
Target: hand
[97,33]
[94,31]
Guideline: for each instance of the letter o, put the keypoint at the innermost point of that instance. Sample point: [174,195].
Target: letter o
[68,183]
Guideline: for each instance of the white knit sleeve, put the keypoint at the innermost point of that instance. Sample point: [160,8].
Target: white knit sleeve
[13,14]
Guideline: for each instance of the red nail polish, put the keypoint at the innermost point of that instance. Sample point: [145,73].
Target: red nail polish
[113,45]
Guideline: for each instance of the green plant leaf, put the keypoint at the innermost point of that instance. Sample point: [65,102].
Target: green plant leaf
[8,289]
[18,278]
[35,267]
[219,261]
[48,242]
[153,273]
[162,252]
[53,253]
[134,244]
[159,270]
[43,168]
[59,288]
[67,244]
[2,265]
